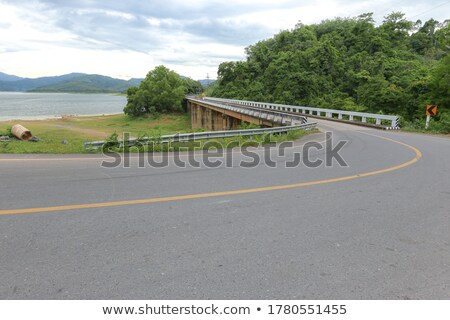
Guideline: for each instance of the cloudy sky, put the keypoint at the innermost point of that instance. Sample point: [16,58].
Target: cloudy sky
[127,39]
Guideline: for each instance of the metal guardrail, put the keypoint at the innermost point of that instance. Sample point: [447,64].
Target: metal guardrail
[329,113]
[278,117]
[94,145]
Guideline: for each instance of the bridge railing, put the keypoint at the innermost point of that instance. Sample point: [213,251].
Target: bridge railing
[274,116]
[378,119]
[195,136]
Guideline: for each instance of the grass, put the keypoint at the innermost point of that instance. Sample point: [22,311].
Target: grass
[164,124]
[77,130]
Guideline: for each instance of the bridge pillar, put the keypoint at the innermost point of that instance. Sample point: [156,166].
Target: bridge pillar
[211,120]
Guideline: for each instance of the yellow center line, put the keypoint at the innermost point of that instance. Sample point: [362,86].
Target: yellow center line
[417,152]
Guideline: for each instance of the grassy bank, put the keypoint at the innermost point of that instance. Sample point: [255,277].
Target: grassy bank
[76,130]
[438,125]
[67,135]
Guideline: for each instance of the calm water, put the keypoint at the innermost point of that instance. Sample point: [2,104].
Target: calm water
[19,105]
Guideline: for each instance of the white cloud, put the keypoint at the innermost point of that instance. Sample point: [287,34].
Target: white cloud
[128,38]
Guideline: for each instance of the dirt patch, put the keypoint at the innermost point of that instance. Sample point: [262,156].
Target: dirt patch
[90,132]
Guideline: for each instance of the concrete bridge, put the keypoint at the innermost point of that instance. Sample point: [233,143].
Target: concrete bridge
[213,116]
[227,114]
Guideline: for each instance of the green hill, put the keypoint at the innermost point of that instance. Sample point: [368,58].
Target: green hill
[13,83]
[88,84]
[8,77]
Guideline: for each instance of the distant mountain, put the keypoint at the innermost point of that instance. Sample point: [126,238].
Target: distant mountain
[136,81]
[206,82]
[73,82]
[8,77]
[26,84]
[92,83]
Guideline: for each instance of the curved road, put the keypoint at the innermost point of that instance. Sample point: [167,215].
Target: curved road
[377,228]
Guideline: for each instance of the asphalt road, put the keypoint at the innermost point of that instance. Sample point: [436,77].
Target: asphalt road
[378,228]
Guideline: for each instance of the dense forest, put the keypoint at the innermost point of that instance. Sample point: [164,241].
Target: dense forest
[398,67]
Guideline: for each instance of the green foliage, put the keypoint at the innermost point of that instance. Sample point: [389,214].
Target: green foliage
[439,84]
[192,86]
[112,142]
[162,91]
[398,67]
[245,125]
[440,124]
[7,132]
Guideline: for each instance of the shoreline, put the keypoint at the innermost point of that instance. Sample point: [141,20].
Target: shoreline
[33,92]
[58,117]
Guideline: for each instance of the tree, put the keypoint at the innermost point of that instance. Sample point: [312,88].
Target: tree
[425,38]
[440,84]
[397,27]
[162,90]
[192,86]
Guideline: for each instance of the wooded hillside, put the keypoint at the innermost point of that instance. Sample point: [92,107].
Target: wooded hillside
[397,67]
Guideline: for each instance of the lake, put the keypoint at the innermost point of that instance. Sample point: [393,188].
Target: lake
[29,106]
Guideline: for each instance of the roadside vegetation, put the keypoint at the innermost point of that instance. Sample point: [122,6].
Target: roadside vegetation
[113,142]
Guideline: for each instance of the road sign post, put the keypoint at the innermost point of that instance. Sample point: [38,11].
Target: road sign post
[430,111]
[427,122]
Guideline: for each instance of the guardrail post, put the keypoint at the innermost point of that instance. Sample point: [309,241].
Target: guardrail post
[378,121]
[340,116]
[351,117]
[363,119]
[394,122]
